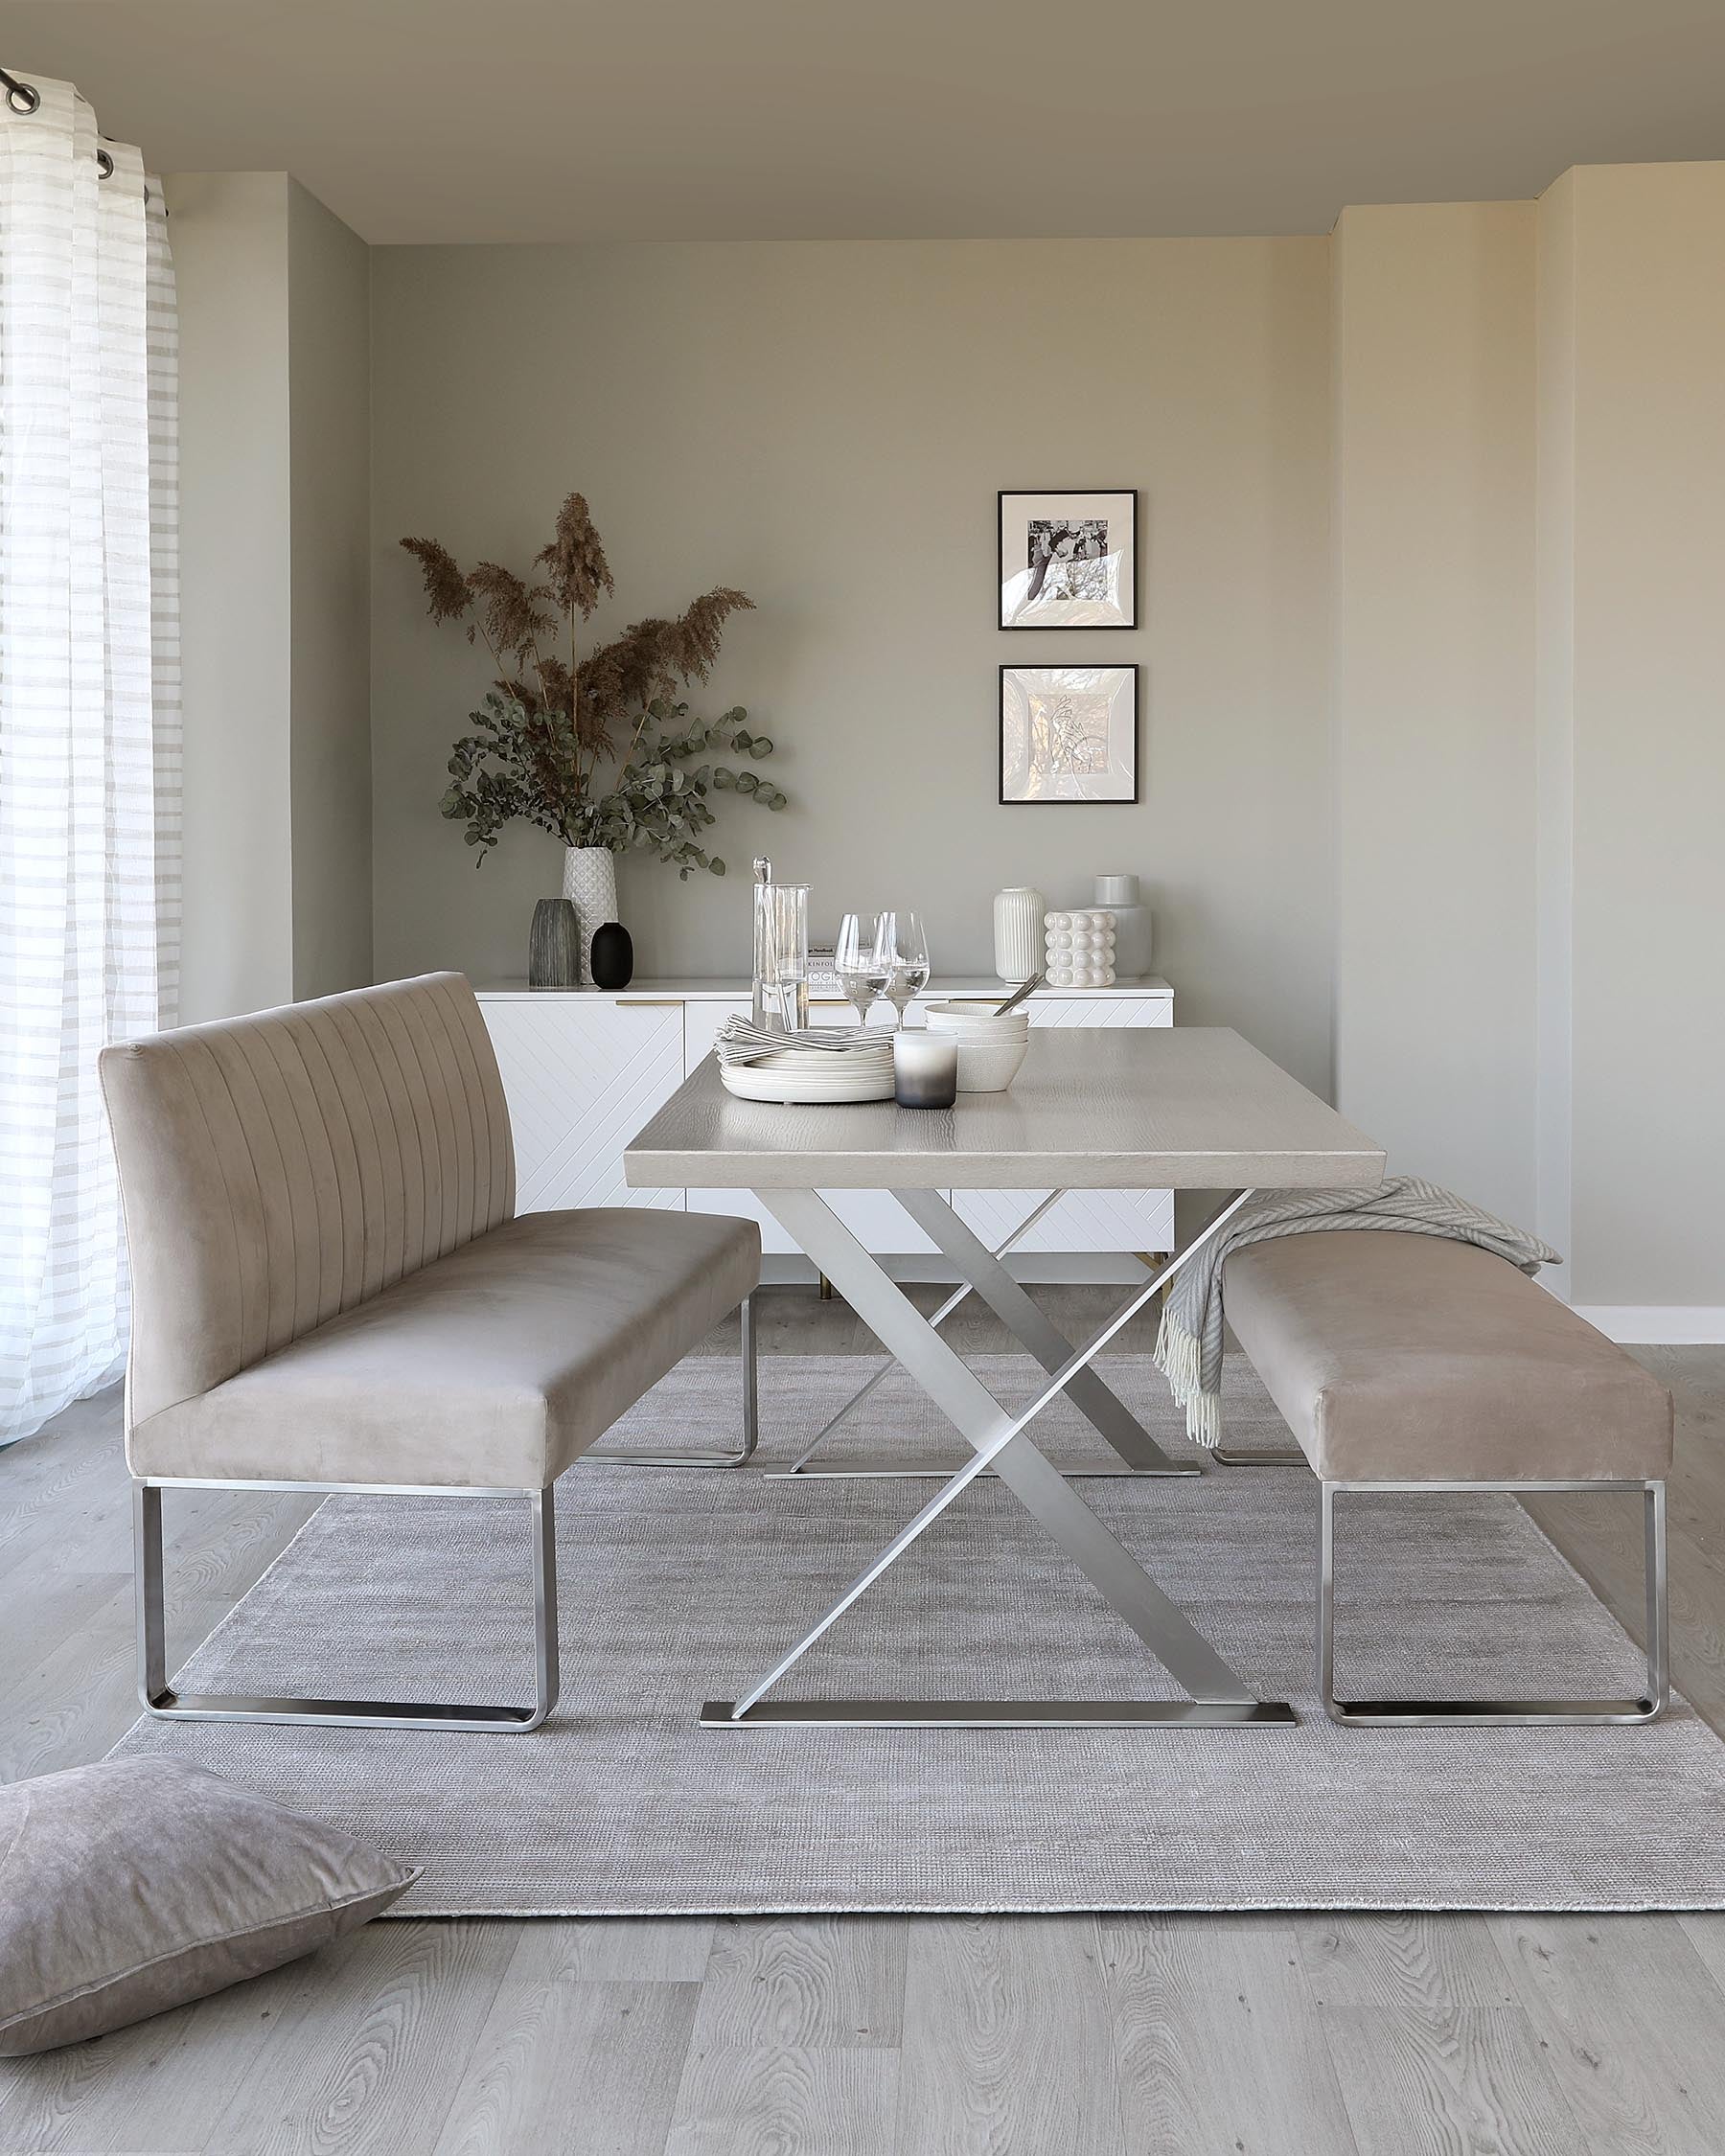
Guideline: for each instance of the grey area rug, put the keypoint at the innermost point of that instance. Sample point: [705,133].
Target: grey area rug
[678,1586]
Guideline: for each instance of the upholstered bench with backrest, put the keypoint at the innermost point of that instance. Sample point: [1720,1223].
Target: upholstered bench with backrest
[331,1291]
[1408,1363]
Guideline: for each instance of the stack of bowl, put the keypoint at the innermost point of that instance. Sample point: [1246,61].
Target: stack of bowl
[990,1046]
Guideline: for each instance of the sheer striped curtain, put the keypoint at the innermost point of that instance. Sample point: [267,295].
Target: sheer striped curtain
[89,718]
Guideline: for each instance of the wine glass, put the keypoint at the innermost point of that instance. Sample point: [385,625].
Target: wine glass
[862,974]
[903,949]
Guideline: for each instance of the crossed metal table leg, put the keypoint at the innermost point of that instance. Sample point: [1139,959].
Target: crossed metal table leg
[1135,1452]
[998,1440]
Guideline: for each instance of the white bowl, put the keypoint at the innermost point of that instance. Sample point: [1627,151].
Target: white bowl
[973,1021]
[982,1037]
[979,1009]
[988,1048]
[989,1067]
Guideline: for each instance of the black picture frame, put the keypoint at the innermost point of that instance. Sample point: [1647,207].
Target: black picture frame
[1077,497]
[1073,801]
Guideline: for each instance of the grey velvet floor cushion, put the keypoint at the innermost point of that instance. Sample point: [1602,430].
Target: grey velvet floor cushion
[136,1884]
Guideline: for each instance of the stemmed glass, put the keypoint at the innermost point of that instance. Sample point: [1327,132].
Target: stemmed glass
[862,974]
[903,950]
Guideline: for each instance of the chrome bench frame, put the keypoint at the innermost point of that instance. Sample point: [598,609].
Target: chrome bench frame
[160,1698]
[1486,1713]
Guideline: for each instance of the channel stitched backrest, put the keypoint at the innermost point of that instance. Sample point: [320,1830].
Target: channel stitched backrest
[278,1169]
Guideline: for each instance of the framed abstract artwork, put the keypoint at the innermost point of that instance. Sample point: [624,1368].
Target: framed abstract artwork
[1069,560]
[1068,733]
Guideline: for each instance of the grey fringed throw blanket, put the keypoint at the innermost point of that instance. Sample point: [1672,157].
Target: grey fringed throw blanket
[1189,1347]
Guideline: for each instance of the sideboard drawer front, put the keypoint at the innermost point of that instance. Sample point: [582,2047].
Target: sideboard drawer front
[581,1076]
[583,1072]
[1102,1010]
[702,1024]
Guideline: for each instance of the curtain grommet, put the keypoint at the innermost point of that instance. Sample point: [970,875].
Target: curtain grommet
[23,97]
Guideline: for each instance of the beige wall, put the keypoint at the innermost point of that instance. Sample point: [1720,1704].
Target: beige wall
[1433,690]
[275,601]
[1496,828]
[1529,682]
[329,373]
[229,236]
[1636,326]
[826,426]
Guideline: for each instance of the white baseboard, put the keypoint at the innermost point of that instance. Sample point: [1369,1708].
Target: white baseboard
[1675,1324]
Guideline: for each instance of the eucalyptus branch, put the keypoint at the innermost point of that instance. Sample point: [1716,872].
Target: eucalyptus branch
[538,744]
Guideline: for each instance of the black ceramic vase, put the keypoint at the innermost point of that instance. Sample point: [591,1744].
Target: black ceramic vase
[553,946]
[612,961]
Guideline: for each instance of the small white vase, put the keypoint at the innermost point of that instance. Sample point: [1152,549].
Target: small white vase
[590,883]
[1018,934]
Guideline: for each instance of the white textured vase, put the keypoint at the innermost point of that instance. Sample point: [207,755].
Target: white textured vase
[590,884]
[1018,934]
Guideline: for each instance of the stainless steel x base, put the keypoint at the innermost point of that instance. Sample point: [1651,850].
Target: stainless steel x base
[993,1714]
[998,1439]
[1135,1452]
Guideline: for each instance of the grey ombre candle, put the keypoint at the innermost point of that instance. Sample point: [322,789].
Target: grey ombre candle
[924,1070]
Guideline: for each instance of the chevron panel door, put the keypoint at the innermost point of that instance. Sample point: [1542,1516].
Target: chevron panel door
[701,1022]
[582,1074]
[1083,1219]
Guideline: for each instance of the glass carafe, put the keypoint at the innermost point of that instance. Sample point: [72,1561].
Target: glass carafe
[781,952]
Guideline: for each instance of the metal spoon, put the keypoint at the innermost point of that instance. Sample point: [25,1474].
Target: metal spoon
[1018,995]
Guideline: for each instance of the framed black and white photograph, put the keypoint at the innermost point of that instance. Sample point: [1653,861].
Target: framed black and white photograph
[1068,733]
[1069,560]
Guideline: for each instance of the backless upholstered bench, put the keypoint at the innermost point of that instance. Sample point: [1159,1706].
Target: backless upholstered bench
[1407,1362]
[331,1291]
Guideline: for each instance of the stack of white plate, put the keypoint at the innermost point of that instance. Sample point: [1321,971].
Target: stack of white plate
[991,1046]
[815,1076]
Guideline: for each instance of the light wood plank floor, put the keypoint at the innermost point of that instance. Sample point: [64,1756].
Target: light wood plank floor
[1276,2035]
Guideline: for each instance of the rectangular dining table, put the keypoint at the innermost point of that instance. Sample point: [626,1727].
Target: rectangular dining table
[1182,1107]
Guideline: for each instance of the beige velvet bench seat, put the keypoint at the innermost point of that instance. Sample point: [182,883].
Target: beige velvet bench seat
[331,1291]
[499,1365]
[1403,1362]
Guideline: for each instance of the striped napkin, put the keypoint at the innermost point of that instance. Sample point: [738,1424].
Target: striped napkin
[741,1040]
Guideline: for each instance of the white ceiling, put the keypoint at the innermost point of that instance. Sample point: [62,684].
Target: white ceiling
[476,120]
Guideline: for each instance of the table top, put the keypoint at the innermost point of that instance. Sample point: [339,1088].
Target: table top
[1151,1107]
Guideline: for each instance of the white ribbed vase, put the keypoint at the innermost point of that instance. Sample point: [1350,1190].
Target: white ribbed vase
[590,884]
[1018,934]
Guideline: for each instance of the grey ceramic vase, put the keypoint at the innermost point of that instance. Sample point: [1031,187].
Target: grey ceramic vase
[1119,895]
[553,946]
[612,960]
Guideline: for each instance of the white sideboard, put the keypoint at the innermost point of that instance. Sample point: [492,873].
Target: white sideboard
[584,1069]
